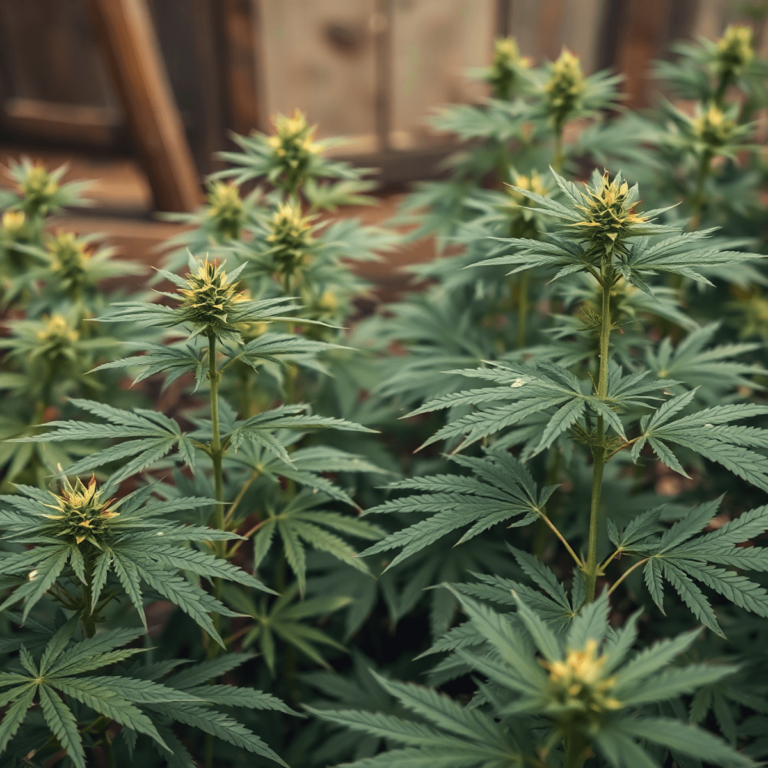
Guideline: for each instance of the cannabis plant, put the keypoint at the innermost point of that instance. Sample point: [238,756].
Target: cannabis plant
[512,519]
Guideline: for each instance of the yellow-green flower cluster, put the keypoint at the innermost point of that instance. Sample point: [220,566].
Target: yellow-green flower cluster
[531,183]
[506,65]
[290,238]
[564,88]
[293,145]
[208,299]
[38,187]
[734,52]
[55,338]
[14,224]
[226,211]
[713,127]
[608,213]
[79,514]
[68,260]
[579,693]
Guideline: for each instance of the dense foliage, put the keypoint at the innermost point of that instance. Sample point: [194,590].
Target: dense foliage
[512,519]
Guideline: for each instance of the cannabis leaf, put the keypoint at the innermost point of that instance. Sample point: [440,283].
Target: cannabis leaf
[303,521]
[696,364]
[683,556]
[128,538]
[149,436]
[711,434]
[139,703]
[500,488]
[286,619]
[535,388]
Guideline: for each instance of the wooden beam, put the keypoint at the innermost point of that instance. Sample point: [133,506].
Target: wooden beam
[128,39]
[70,124]
[381,28]
[238,26]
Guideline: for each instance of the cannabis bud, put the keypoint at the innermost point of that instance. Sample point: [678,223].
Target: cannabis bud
[293,146]
[290,238]
[80,514]
[713,127]
[608,212]
[579,692]
[734,51]
[226,211]
[38,188]
[208,299]
[564,88]
[55,338]
[69,260]
[533,183]
[13,224]
[506,66]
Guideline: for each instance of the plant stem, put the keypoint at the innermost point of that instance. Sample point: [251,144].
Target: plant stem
[598,449]
[109,753]
[89,619]
[522,309]
[560,536]
[574,752]
[698,199]
[627,572]
[216,455]
[559,158]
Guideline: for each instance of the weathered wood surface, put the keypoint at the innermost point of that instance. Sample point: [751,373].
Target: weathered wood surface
[129,44]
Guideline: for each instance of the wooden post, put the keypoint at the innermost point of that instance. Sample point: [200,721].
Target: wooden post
[238,21]
[125,30]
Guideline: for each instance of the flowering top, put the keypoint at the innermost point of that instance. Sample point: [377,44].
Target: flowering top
[38,187]
[506,67]
[734,51]
[13,224]
[69,260]
[529,183]
[55,337]
[608,213]
[290,238]
[579,692]
[226,210]
[293,146]
[208,299]
[713,127]
[564,88]
[79,514]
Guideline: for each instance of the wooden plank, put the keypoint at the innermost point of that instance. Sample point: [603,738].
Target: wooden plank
[93,127]
[435,41]
[644,31]
[125,31]
[49,52]
[319,56]
[238,47]
[381,28]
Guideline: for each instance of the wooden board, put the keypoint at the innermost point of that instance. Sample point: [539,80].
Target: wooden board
[129,43]
[320,56]
[433,43]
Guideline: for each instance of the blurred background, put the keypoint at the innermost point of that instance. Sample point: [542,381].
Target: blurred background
[141,94]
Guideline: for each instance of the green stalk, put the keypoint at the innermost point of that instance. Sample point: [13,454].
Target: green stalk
[598,450]
[559,158]
[522,309]
[109,753]
[216,453]
[722,87]
[89,620]
[218,479]
[698,199]
[574,752]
